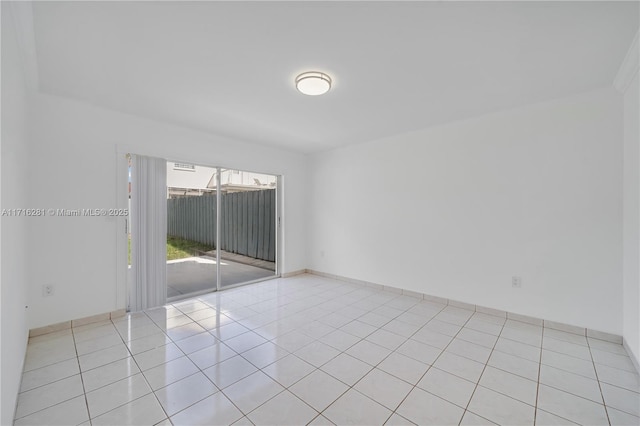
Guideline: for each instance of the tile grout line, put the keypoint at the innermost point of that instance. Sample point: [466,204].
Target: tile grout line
[430,365]
[59,380]
[84,391]
[539,362]
[561,369]
[219,341]
[56,381]
[349,387]
[141,373]
[444,349]
[535,412]
[466,409]
[199,369]
[393,412]
[285,388]
[51,382]
[593,362]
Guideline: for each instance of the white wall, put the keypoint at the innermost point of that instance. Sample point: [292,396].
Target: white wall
[455,211]
[14,167]
[73,165]
[198,178]
[631,291]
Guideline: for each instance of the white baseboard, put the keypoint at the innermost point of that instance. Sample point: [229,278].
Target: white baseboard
[66,325]
[635,361]
[582,331]
[293,273]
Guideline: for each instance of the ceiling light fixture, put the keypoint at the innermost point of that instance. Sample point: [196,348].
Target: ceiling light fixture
[313,83]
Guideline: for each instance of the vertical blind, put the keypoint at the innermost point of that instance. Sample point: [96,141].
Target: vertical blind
[148,232]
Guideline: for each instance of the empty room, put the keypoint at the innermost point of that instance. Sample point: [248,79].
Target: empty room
[320,213]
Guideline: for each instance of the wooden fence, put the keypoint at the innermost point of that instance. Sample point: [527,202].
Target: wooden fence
[248,223]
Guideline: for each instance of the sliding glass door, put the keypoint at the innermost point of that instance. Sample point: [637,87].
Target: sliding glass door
[248,226]
[221,228]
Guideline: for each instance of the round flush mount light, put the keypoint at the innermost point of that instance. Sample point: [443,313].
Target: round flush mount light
[313,83]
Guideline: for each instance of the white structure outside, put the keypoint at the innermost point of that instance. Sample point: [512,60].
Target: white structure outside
[237,180]
[185,179]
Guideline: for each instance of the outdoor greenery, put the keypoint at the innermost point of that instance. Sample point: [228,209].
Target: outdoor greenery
[178,248]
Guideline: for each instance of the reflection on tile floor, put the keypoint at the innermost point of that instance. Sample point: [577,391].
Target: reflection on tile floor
[310,350]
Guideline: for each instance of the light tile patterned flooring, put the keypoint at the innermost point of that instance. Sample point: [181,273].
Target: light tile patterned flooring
[310,350]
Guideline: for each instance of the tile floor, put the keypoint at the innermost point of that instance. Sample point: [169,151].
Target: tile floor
[310,350]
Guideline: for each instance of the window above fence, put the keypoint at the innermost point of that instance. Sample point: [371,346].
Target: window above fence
[184,167]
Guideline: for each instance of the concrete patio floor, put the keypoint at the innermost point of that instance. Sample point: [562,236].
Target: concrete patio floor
[196,274]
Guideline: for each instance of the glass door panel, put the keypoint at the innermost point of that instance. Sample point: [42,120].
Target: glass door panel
[248,227]
[191,229]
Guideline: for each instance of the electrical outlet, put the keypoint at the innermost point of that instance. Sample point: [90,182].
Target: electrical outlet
[516,281]
[47,290]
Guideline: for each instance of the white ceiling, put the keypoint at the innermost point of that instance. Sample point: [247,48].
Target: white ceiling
[228,67]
